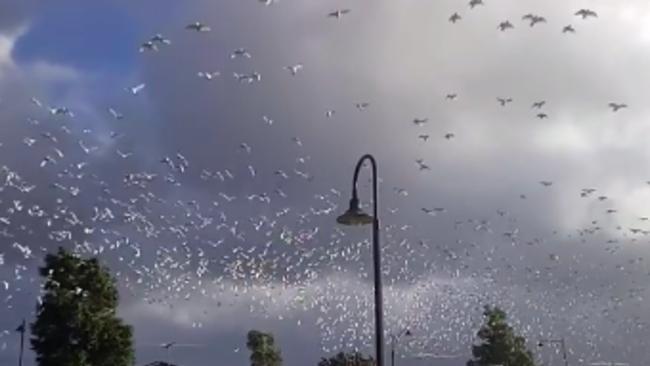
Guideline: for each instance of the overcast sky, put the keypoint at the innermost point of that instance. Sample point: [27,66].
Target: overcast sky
[239,232]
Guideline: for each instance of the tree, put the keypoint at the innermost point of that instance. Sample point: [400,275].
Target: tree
[499,343]
[263,349]
[347,359]
[76,322]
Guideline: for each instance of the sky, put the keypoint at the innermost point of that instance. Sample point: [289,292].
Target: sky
[213,202]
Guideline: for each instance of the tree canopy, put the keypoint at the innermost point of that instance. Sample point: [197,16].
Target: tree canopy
[76,322]
[263,349]
[347,359]
[499,345]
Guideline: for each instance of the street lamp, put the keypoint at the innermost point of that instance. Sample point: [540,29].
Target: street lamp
[394,338]
[355,216]
[556,341]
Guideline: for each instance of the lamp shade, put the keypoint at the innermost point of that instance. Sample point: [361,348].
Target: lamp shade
[354,216]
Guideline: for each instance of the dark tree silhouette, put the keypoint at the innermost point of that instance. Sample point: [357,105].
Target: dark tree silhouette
[76,323]
[347,359]
[263,349]
[499,344]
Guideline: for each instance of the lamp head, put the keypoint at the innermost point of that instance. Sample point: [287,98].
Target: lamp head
[354,215]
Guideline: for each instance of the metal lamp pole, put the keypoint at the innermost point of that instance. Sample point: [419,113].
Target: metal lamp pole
[355,216]
[21,329]
[393,342]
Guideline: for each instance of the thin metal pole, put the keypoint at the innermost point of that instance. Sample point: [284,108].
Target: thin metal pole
[376,251]
[566,360]
[22,343]
[392,350]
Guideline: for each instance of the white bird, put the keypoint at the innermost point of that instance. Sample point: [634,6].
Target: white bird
[240,52]
[158,38]
[117,115]
[267,120]
[267,2]
[148,46]
[37,102]
[198,26]
[208,75]
[330,113]
[338,13]
[122,154]
[293,69]
[135,90]
[61,111]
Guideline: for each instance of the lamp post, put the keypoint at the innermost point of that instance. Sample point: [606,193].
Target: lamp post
[21,329]
[394,338]
[556,341]
[355,216]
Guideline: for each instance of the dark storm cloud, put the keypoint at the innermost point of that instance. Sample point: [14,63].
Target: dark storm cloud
[402,62]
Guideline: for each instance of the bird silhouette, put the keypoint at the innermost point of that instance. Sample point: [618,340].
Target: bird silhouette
[616,106]
[568,29]
[505,25]
[338,13]
[586,13]
[198,27]
[454,18]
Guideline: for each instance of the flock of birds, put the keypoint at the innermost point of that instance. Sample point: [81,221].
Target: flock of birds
[170,250]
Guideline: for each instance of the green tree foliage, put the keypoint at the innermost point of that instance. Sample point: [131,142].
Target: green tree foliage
[76,323]
[347,359]
[499,345]
[263,349]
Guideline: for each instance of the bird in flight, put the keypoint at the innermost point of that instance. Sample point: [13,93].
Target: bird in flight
[362,106]
[454,18]
[61,111]
[158,38]
[330,113]
[424,137]
[586,13]
[542,115]
[534,19]
[451,96]
[420,121]
[198,26]
[117,115]
[148,46]
[568,29]
[135,90]
[338,13]
[546,183]
[474,3]
[422,165]
[208,75]
[505,25]
[240,52]
[449,136]
[539,104]
[293,69]
[616,106]
[504,101]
